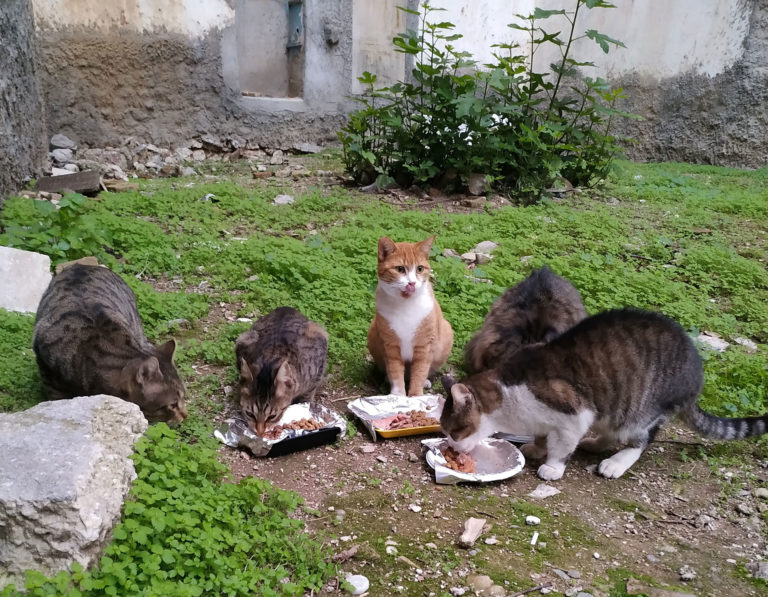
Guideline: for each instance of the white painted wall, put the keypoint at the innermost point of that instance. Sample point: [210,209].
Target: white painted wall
[663,38]
[193,18]
[374,24]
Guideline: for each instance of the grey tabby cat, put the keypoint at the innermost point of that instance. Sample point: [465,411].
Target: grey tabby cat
[619,374]
[538,309]
[88,339]
[281,360]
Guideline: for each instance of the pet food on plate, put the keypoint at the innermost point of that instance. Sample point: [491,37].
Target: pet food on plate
[412,418]
[301,425]
[459,461]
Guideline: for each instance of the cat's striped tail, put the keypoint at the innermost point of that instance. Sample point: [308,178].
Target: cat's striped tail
[723,428]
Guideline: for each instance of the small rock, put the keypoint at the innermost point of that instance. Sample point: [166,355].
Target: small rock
[479,582]
[544,491]
[415,508]
[574,574]
[596,555]
[71,168]
[561,574]
[474,203]
[430,545]
[703,520]
[284,172]
[713,341]
[668,548]
[532,520]
[277,158]
[482,258]
[491,541]
[283,200]
[307,148]
[60,141]
[359,583]
[687,573]
[495,591]
[188,171]
[476,184]
[745,509]
[651,558]
[469,257]
[758,569]
[487,246]
[451,254]
[368,449]
[761,492]
[382,458]
[525,259]
[458,591]
[746,343]
[412,457]
[391,550]
[62,156]
[198,155]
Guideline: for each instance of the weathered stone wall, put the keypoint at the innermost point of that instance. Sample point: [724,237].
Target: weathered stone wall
[22,141]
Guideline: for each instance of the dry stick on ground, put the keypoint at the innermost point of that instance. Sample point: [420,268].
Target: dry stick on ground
[544,585]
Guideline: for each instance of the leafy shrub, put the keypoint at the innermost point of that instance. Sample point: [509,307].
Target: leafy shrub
[64,234]
[520,127]
[185,533]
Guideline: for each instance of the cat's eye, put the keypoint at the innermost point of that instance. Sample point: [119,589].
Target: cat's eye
[401,269]
[420,269]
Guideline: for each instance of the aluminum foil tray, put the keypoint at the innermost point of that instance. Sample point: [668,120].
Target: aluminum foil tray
[495,459]
[235,433]
[372,408]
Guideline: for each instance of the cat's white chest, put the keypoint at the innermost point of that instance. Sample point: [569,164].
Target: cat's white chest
[405,316]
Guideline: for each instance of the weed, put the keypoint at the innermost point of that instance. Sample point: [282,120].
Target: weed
[20,385]
[187,533]
[519,127]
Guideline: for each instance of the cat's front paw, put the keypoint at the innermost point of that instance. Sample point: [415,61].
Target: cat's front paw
[612,468]
[533,451]
[550,472]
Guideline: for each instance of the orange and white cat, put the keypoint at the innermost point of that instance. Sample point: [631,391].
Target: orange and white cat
[408,335]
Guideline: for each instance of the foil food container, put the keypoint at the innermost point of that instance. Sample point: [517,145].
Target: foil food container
[235,433]
[373,408]
[495,460]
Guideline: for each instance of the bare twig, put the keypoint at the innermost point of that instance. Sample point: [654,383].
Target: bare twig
[544,585]
[487,514]
[346,398]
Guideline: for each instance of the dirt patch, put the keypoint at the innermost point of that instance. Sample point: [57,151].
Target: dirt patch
[668,512]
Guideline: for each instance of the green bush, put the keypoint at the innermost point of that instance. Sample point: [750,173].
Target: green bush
[520,127]
[186,533]
[64,234]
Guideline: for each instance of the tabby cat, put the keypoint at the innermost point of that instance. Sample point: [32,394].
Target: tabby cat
[281,360]
[538,309]
[619,374]
[408,335]
[88,339]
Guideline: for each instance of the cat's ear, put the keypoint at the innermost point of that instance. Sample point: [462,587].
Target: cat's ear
[386,247]
[425,246]
[148,370]
[447,381]
[285,381]
[245,372]
[461,396]
[167,350]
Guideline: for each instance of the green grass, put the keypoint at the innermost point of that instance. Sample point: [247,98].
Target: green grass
[689,241]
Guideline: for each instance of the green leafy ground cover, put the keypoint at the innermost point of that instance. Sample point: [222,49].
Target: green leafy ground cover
[686,240]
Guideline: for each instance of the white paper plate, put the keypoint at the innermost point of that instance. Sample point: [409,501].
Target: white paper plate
[495,459]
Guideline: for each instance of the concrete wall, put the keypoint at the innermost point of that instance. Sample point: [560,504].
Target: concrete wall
[696,71]
[22,140]
[166,70]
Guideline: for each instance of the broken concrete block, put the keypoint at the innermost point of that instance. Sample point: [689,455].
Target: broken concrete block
[85,182]
[25,276]
[65,471]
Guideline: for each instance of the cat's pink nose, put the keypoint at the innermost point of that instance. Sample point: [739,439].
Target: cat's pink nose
[410,287]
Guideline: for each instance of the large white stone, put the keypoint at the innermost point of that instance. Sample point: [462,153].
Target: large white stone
[65,470]
[24,276]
